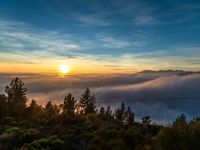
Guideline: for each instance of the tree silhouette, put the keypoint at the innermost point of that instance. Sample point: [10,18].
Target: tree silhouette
[120,114]
[33,106]
[3,106]
[109,114]
[102,113]
[146,120]
[195,120]
[130,116]
[87,103]
[33,110]
[180,120]
[17,99]
[51,111]
[69,105]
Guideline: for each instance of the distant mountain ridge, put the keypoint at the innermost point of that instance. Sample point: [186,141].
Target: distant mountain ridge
[176,72]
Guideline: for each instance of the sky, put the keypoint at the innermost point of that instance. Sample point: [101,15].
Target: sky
[107,36]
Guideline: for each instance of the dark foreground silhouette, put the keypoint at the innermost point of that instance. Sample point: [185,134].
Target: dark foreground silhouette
[79,125]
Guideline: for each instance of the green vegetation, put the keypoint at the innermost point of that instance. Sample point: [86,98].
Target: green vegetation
[79,125]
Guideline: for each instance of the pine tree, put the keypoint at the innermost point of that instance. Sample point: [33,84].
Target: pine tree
[33,110]
[102,113]
[120,114]
[87,103]
[51,111]
[17,99]
[33,105]
[109,114]
[130,116]
[3,105]
[146,120]
[180,120]
[69,105]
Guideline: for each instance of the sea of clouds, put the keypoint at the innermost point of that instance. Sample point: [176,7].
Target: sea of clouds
[162,95]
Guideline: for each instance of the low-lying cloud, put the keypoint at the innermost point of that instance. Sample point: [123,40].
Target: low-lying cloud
[162,96]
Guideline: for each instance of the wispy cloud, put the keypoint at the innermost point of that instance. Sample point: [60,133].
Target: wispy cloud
[26,44]
[144,13]
[111,42]
[18,36]
[27,38]
[92,20]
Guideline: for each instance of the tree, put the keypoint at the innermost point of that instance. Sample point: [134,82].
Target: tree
[106,114]
[87,103]
[33,110]
[195,120]
[109,114]
[130,116]
[146,120]
[33,105]
[120,114]
[17,99]
[3,105]
[102,113]
[69,105]
[180,120]
[51,111]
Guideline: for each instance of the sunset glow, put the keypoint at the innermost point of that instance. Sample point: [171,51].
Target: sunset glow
[64,69]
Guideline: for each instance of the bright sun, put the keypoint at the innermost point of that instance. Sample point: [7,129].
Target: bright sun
[64,69]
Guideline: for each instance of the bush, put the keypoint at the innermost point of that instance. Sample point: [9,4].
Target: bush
[51,143]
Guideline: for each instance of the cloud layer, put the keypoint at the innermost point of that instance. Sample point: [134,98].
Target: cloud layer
[160,95]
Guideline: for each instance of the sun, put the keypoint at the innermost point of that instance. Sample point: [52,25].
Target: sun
[64,69]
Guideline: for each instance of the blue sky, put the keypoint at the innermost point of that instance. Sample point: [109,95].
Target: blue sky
[117,34]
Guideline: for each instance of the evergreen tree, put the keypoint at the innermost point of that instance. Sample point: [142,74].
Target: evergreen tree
[146,120]
[69,105]
[33,110]
[33,105]
[51,111]
[120,114]
[108,113]
[87,102]
[195,120]
[102,113]
[3,105]
[17,99]
[180,120]
[49,108]
[130,116]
